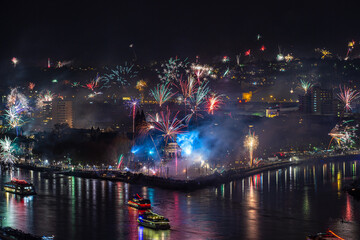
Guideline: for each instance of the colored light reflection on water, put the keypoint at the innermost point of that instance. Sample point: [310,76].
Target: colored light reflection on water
[288,203]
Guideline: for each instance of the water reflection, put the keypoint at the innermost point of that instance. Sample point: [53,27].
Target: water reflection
[287,203]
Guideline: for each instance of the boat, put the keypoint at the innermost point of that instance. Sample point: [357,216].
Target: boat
[139,202]
[329,235]
[153,220]
[20,187]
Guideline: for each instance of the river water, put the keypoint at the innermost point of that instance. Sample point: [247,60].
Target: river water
[288,203]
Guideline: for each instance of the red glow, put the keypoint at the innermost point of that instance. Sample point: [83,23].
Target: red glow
[247,53]
[262,48]
[19,181]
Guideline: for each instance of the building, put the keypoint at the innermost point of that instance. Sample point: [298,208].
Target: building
[272,112]
[321,101]
[62,112]
[318,101]
[46,115]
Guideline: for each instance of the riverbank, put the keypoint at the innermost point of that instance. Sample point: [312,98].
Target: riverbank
[175,184]
[8,233]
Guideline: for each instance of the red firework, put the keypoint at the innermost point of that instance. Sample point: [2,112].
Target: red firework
[213,103]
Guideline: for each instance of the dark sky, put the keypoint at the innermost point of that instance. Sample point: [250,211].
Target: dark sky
[101,32]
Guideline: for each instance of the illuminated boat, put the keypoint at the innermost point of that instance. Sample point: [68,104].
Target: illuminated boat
[153,220]
[329,235]
[20,187]
[139,202]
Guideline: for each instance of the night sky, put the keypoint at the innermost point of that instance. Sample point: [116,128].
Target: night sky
[101,32]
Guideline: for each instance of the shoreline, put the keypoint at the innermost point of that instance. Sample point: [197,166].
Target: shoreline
[212,180]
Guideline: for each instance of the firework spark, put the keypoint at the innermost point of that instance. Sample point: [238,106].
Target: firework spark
[251,143]
[347,95]
[162,93]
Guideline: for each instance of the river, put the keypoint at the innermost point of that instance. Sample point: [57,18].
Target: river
[288,203]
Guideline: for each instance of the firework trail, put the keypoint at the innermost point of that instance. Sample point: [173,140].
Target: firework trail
[172,69]
[132,104]
[31,86]
[7,150]
[351,46]
[347,95]
[213,103]
[167,126]
[187,88]
[305,85]
[121,75]
[251,143]
[45,96]
[162,93]
[121,158]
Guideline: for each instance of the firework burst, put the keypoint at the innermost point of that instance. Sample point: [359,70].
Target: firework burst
[45,96]
[172,70]
[324,53]
[121,75]
[31,86]
[14,61]
[7,150]
[93,84]
[162,93]
[251,143]
[213,103]
[347,96]
[18,99]
[200,70]
[141,85]
[305,85]
[167,126]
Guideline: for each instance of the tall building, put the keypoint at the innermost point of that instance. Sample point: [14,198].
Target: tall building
[321,101]
[317,101]
[62,112]
[46,115]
